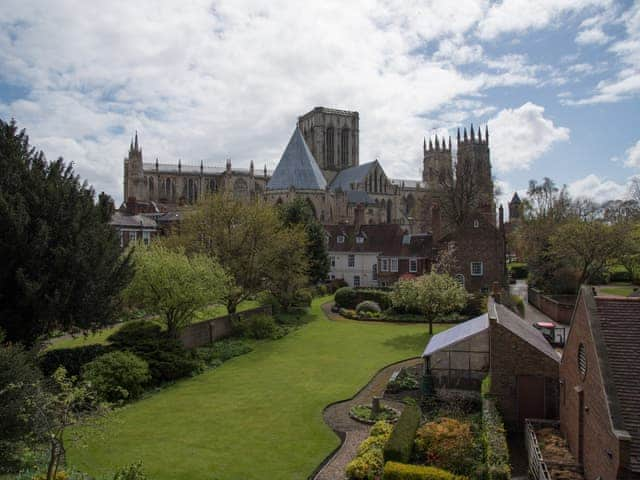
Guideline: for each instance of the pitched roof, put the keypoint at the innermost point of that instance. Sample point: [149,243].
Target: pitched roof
[515,198]
[120,219]
[619,322]
[527,332]
[457,334]
[346,177]
[387,238]
[297,168]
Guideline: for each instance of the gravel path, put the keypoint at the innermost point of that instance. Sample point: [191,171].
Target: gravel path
[337,416]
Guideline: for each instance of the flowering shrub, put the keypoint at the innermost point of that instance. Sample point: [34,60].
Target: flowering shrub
[369,462]
[446,443]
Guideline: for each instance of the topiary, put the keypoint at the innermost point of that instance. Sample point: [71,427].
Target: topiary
[117,376]
[400,444]
[368,306]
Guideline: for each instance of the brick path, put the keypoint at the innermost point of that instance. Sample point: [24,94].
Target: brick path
[337,415]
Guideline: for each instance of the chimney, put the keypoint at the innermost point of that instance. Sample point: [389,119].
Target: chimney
[435,222]
[358,217]
[131,205]
[501,218]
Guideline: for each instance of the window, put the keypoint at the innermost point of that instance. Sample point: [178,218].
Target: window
[356,280]
[476,223]
[460,279]
[394,264]
[329,146]
[359,239]
[582,360]
[374,271]
[351,261]
[332,277]
[384,265]
[133,236]
[121,239]
[476,269]
[413,265]
[146,236]
[340,238]
[333,261]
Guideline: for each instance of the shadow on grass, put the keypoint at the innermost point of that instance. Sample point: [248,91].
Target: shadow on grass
[414,341]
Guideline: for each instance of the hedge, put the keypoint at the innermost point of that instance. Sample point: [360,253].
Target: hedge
[347,297]
[400,443]
[494,440]
[403,471]
[519,270]
[72,359]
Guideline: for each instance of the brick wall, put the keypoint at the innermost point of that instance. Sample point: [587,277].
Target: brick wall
[602,450]
[559,309]
[511,356]
[207,331]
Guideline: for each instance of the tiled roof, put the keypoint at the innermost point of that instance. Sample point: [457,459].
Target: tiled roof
[457,334]
[297,168]
[619,320]
[346,177]
[388,239]
[120,219]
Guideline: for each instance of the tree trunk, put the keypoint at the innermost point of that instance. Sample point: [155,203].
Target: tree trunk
[232,306]
[430,326]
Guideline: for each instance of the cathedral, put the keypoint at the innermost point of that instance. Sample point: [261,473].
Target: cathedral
[321,163]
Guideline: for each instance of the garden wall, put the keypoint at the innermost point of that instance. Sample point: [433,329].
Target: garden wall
[205,332]
[557,307]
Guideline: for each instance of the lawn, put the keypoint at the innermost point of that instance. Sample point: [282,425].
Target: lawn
[258,416]
[622,290]
[212,311]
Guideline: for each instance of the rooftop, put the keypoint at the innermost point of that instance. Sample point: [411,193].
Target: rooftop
[457,334]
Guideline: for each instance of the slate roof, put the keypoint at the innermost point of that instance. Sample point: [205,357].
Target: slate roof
[346,177]
[120,219]
[457,334]
[515,199]
[527,332]
[297,168]
[389,239]
[619,320]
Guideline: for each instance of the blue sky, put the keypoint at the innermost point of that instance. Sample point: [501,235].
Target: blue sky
[558,82]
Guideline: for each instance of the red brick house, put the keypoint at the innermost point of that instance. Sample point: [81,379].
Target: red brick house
[132,228]
[600,386]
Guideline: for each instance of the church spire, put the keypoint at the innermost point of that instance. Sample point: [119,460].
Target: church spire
[486,134]
[135,145]
[472,133]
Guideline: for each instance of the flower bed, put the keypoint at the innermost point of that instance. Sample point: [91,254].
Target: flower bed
[363,413]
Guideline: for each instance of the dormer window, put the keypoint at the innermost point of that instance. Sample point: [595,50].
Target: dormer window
[340,238]
[359,239]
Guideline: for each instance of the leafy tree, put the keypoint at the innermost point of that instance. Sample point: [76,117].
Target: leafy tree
[169,283]
[247,239]
[434,295]
[298,212]
[62,264]
[629,251]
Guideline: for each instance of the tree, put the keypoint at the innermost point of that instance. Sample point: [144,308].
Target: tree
[169,283]
[244,238]
[629,251]
[62,266]
[446,261]
[434,295]
[298,212]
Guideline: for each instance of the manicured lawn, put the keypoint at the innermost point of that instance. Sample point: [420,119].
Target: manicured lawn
[622,290]
[259,416]
[101,336]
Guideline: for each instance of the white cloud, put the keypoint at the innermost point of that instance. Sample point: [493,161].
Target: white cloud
[597,188]
[521,135]
[592,36]
[633,156]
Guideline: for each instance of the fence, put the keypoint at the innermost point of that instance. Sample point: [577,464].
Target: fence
[537,468]
[557,307]
[207,331]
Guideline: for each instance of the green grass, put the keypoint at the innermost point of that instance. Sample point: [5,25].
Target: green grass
[101,336]
[622,290]
[258,416]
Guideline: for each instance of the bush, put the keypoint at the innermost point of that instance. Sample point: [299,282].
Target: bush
[404,381]
[368,306]
[303,297]
[72,359]
[266,298]
[224,350]
[519,270]
[255,326]
[369,460]
[135,333]
[334,285]
[494,441]
[476,305]
[348,297]
[131,472]
[402,471]
[381,428]
[117,376]
[446,443]
[618,273]
[400,443]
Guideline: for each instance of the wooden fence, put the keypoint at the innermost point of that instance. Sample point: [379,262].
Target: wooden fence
[207,331]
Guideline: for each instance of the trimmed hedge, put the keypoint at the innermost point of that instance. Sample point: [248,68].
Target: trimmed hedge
[368,306]
[348,297]
[403,471]
[72,359]
[519,270]
[494,440]
[369,462]
[400,444]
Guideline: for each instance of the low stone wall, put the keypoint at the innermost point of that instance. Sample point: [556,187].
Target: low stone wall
[557,307]
[207,331]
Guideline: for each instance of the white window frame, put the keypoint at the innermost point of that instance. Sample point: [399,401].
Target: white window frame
[475,273]
[350,263]
[393,264]
[476,223]
[413,265]
[356,280]
[359,239]
[340,238]
[332,260]
[146,237]
[133,236]
[460,278]
[384,264]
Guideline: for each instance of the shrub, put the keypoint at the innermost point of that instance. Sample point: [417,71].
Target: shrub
[255,326]
[72,359]
[336,284]
[381,428]
[476,305]
[303,297]
[618,273]
[400,443]
[404,381]
[519,270]
[494,442]
[117,376]
[135,333]
[368,306]
[369,460]
[266,298]
[224,350]
[446,443]
[131,472]
[485,387]
[348,297]
[402,471]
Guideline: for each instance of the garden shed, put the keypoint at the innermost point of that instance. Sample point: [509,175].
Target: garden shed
[459,357]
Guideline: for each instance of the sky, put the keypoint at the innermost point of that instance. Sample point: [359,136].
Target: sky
[557,82]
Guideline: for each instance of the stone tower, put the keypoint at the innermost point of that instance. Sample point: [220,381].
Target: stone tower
[333,138]
[473,159]
[436,163]
[134,185]
[515,209]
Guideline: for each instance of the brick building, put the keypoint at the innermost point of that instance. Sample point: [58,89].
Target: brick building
[132,228]
[600,386]
[524,369]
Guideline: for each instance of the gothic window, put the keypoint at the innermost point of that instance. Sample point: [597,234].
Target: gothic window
[409,204]
[344,147]
[329,147]
[192,192]
[240,188]
[375,181]
[168,187]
